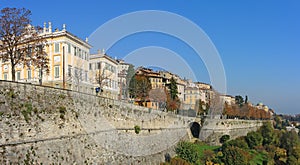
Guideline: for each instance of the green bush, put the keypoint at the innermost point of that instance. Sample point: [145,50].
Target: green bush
[27,111]
[239,142]
[224,138]
[254,139]
[137,129]
[187,151]
[62,111]
[235,155]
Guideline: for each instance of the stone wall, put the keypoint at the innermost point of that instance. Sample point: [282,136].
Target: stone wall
[213,129]
[48,125]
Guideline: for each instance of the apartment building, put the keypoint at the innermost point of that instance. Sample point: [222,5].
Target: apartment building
[68,62]
[103,73]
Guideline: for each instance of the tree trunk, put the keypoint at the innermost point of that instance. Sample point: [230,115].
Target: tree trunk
[13,72]
[41,77]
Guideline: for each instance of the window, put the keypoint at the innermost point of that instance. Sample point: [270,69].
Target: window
[75,51]
[69,48]
[40,48]
[5,76]
[29,51]
[90,66]
[86,76]
[79,53]
[18,75]
[40,73]
[28,74]
[56,47]
[69,70]
[98,65]
[56,71]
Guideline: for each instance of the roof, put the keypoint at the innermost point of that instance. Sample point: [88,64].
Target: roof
[68,34]
[99,55]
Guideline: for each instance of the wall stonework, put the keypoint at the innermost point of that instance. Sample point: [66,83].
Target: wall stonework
[213,129]
[48,125]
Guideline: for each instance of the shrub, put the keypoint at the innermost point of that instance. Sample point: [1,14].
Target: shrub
[224,138]
[254,139]
[187,151]
[137,129]
[235,155]
[27,111]
[62,111]
[239,142]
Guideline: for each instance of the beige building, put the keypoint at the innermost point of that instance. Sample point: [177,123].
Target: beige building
[122,73]
[228,99]
[68,62]
[103,73]
[181,84]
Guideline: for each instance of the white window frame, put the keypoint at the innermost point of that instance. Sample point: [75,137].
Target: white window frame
[56,47]
[28,74]
[56,74]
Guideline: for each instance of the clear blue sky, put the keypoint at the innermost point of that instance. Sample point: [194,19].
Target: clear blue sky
[258,41]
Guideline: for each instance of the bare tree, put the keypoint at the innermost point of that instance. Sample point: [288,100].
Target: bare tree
[41,61]
[76,74]
[101,77]
[158,95]
[21,42]
[216,105]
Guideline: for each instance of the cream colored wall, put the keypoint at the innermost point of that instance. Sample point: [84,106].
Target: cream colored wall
[111,90]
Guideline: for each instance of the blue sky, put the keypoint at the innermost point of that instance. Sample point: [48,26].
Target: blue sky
[258,41]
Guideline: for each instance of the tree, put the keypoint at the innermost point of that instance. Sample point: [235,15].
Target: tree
[102,77]
[129,75]
[173,89]
[267,132]
[173,101]
[238,142]
[139,88]
[201,107]
[246,99]
[290,141]
[76,76]
[254,139]
[21,43]
[235,155]
[216,105]
[239,100]
[158,95]
[187,151]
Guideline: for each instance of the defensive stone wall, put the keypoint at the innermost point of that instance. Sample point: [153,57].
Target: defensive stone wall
[213,129]
[54,126]
[48,125]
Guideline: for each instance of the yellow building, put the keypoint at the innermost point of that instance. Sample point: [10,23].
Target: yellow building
[103,73]
[180,83]
[157,92]
[68,62]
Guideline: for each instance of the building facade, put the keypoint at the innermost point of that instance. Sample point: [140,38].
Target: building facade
[68,62]
[103,73]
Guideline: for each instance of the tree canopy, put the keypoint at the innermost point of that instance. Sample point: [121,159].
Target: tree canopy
[21,43]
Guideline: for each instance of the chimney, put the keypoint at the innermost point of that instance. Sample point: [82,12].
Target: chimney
[103,51]
[99,51]
[50,27]
[45,28]
[86,39]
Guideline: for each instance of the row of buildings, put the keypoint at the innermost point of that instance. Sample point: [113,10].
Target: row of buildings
[71,66]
